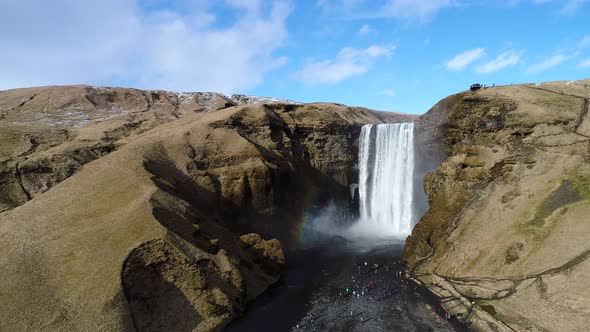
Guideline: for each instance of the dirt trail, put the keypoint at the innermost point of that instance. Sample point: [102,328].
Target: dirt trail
[583,111]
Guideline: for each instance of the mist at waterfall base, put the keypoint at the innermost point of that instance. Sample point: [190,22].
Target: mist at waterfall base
[346,275]
[385,192]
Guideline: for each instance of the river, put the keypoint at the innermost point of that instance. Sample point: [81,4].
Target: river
[341,286]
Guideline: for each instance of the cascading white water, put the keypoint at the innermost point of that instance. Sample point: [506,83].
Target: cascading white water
[386,165]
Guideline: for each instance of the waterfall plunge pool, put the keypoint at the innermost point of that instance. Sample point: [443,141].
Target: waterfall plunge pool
[349,277]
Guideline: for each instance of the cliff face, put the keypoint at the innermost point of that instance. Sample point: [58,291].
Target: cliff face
[48,133]
[508,219]
[141,207]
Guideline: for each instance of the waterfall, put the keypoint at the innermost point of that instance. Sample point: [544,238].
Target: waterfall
[386,167]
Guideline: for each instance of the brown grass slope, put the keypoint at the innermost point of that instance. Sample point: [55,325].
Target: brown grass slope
[509,218]
[147,237]
[48,133]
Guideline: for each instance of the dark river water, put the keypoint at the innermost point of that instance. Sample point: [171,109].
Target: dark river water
[340,286]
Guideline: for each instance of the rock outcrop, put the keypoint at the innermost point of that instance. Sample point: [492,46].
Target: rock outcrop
[48,133]
[139,209]
[506,234]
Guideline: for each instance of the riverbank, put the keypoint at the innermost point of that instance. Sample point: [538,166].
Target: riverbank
[339,286]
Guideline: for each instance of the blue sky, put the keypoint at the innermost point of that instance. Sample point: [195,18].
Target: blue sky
[398,55]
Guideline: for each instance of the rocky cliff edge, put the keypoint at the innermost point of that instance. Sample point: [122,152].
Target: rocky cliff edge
[506,234]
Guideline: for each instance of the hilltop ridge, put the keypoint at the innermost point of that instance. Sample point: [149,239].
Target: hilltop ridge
[124,208]
[507,226]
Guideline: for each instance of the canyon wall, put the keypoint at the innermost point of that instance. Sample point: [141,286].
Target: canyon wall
[127,209]
[506,232]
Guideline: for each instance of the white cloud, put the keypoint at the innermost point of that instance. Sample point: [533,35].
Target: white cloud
[568,7]
[365,30]
[567,54]
[567,4]
[585,63]
[547,63]
[584,42]
[505,59]
[349,62]
[535,2]
[117,42]
[412,9]
[249,5]
[407,10]
[460,61]
[388,92]
[338,4]
[571,7]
